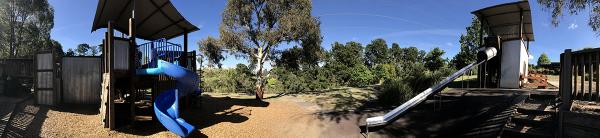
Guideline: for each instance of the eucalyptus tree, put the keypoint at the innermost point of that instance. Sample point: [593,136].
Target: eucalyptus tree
[573,7]
[25,27]
[83,49]
[253,29]
[212,49]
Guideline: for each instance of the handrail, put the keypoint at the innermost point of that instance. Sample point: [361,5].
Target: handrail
[148,53]
[484,55]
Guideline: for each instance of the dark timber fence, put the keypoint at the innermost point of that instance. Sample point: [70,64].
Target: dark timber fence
[579,80]
[16,75]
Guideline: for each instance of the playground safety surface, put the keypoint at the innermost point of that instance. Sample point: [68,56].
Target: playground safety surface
[458,112]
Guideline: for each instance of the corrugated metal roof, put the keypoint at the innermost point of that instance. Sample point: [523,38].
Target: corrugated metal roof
[504,20]
[155,19]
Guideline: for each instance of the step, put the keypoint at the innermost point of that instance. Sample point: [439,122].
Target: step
[526,132]
[534,111]
[548,96]
[533,120]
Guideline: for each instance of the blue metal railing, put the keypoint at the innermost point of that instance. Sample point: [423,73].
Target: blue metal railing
[148,53]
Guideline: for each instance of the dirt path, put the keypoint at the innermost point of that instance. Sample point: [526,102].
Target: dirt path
[218,116]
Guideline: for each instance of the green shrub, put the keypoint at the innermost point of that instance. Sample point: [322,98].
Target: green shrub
[384,72]
[219,80]
[360,76]
[395,92]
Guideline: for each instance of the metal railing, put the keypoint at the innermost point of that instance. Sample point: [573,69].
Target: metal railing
[148,53]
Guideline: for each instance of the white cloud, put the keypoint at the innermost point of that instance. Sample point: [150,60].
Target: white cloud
[449,44]
[426,32]
[377,15]
[530,57]
[573,26]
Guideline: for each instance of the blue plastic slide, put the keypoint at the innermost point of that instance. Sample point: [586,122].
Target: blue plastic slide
[166,105]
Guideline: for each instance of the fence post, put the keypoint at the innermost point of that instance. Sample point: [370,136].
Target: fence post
[565,85]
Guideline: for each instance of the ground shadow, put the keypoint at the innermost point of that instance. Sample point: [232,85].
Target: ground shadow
[474,113]
[23,119]
[89,109]
[214,110]
[209,111]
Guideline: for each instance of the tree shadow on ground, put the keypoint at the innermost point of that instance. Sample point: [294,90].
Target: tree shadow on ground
[214,110]
[210,111]
[22,119]
[462,115]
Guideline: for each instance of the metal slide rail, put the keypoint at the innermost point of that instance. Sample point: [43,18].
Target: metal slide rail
[484,55]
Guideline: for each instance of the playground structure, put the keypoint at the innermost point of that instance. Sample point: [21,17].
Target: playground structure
[157,75]
[509,30]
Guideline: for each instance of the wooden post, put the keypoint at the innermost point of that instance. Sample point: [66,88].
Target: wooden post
[104,55]
[132,67]
[582,67]
[111,91]
[590,75]
[597,66]
[183,59]
[565,87]
[575,74]
[521,24]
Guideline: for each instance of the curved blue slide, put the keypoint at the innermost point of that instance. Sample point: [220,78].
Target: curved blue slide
[166,105]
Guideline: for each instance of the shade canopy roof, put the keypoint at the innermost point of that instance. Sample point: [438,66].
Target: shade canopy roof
[505,20]
[154,19]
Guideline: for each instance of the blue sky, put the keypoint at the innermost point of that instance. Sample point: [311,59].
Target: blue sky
[422,23]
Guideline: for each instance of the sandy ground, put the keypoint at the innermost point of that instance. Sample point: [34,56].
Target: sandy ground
[238,115]
[219,115]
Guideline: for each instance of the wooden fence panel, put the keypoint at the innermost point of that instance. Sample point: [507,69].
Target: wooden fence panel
[45,91]
[81,80]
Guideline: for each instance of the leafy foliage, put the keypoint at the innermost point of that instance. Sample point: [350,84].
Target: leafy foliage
[384,72]
[243,78]
[573,7]
[212,49]
[25,27]
[70,52]
[395,92]
[434,60]
[346,61]
[254,28]
[82,49]
[396,54]
[360,76]
[543,59]
[376,53]
[469,42]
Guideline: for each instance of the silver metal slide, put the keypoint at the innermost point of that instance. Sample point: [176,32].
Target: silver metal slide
[379,121]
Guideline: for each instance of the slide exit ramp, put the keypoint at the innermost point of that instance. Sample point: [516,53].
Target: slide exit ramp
[484,54]
[166,105]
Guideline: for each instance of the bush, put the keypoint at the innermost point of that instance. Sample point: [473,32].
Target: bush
[219,80]
[384,72]
[415,80]
[360,76]
[281,81]
[244,79]
[395,92]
